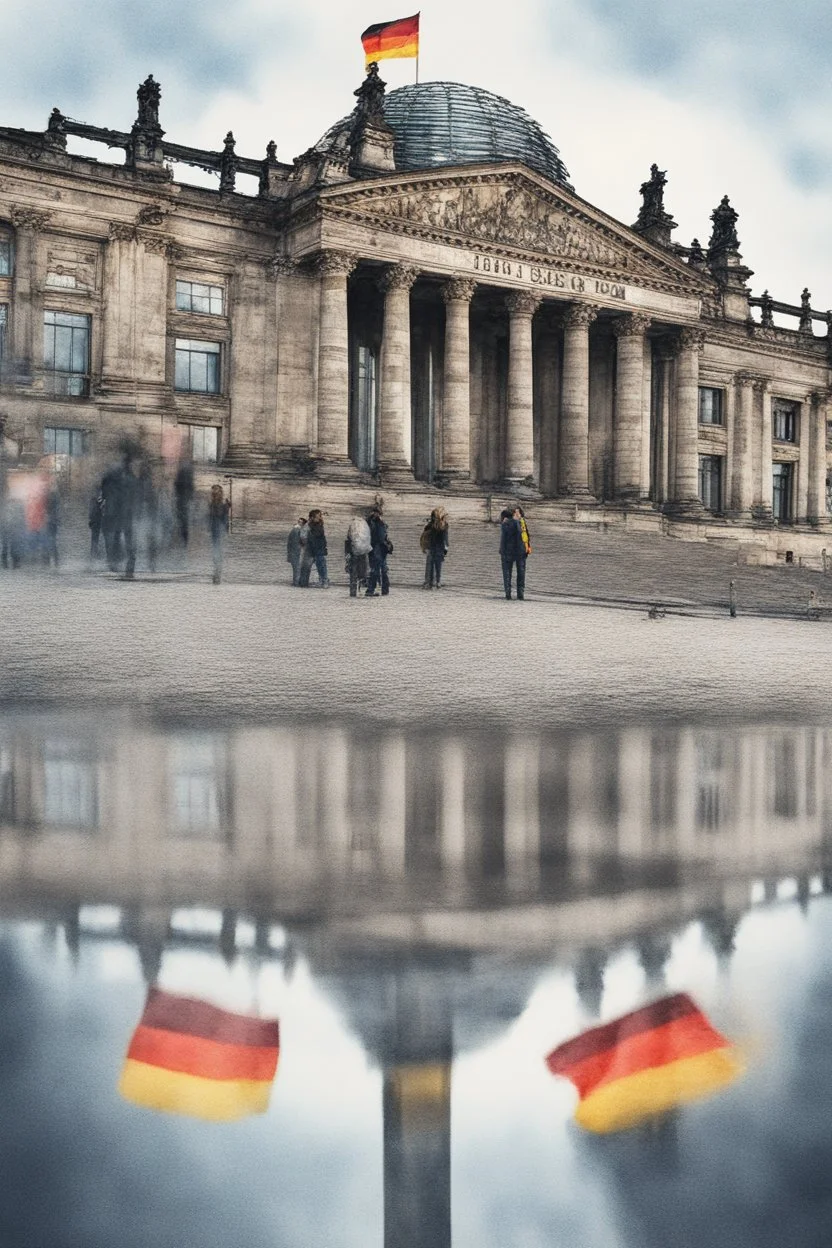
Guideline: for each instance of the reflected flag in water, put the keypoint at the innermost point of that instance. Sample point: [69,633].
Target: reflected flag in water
[190,1057]
[645,1064]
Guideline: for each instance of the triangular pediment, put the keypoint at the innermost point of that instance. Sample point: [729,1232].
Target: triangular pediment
[520,214]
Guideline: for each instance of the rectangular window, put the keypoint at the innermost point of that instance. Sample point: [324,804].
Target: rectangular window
[66,354]
[710,406]
[5,257]
[204,443]
[781,505]
[199,297]
[70,785]
[784,419]
[197,366]
[200,788]
[63,441]
[710,481]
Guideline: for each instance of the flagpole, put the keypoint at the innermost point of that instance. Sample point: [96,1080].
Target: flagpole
[418,33]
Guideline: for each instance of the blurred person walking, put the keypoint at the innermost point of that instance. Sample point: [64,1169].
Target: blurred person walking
[95,519]
[183,490]
[147,513]
[380,548]
[315,551]
[295,544]
[219,512]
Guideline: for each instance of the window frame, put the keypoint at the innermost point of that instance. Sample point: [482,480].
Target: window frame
[719,461]
[7,247]
[192,428]
[191,347]
[74,434]
[215,292]
[784,470]
[52,374]
[787,410]
[717,394]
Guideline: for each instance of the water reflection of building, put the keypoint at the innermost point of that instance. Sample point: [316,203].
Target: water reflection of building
[325,819]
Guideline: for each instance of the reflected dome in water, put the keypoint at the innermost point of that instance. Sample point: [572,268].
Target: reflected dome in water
[438,124]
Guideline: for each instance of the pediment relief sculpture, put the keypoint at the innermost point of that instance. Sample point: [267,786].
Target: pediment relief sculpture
[511,213]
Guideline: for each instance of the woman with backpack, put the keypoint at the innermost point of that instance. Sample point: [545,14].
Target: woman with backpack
[315,551]
[357,547]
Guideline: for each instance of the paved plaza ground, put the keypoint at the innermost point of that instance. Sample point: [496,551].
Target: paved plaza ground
[581,648]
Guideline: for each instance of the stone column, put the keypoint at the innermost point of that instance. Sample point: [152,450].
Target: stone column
[766,430]
[455,457]
[573,476]
[816,510]
[333,356]
[26,347]
[452,825]
[629,404]
[742,475]
[521,833]
[804,451]
[519,465]
[394,405]
[686,474]
[393,806]
[663,458]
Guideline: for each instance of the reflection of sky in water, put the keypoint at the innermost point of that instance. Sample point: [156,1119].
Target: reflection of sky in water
[750,1167]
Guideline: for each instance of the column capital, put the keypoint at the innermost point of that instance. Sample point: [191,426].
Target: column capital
[690,336]
[29,218]
[398,277]
[745,380]
[523,303]
[282,266]
[763,384]
[580,315]
[335,263]
[459,290]
[122,232]
[631,325]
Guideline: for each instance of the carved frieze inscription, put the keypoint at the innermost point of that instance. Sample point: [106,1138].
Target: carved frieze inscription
[551,279]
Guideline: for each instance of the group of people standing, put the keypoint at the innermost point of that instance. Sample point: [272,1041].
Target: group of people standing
[367,547]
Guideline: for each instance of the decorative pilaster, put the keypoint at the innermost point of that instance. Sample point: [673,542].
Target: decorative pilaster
[629,405]
[28,223]
[519,465]
[766,433]
[742,483]
[816,510]
[394,406]
[455,449]
[804,450]
[686,424]
[334,268]
[573,477]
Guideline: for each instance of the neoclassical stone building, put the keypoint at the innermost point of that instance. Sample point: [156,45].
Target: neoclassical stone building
[420,302]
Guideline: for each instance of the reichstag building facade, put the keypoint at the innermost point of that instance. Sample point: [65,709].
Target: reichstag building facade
[421,302]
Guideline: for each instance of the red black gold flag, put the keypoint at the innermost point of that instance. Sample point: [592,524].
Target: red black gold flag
[645,1064]
[391,39]
[190,1057]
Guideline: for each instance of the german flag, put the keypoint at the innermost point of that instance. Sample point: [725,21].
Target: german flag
[391,39]
[645,1064]
[190,1057]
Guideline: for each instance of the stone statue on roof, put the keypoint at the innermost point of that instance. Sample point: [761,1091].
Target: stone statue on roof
[370,96]
[724,233]
[148,95]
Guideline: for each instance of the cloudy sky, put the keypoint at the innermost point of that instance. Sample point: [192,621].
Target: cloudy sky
[729,96]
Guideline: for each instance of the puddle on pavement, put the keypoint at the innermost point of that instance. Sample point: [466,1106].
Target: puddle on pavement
[426,916]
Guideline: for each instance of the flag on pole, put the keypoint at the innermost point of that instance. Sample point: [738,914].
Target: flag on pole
[190,1057]
[645,1064]
[391,39]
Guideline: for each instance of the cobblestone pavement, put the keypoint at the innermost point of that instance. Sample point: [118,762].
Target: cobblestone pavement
[581,648]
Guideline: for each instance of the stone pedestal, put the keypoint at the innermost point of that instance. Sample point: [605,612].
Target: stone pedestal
[455,449]
[629,406]
[573,475]
[333,358]
[394,406]
[519,464]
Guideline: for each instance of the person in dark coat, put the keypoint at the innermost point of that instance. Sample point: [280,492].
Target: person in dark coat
[111,491]
[315,551]
[381,547]
[183,491]
[96,519]
[147,518]
[295,543]
[435,544]
[512,553]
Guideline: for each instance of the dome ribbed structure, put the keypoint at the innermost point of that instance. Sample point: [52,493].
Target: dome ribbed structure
[438,124]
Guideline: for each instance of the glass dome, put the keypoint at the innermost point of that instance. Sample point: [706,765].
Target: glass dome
[447,123]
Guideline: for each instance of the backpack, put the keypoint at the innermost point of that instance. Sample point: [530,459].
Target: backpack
[424,540]
[524,533]
[359,536]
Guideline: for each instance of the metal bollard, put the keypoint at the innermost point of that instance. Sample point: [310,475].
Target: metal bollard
[732,600]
